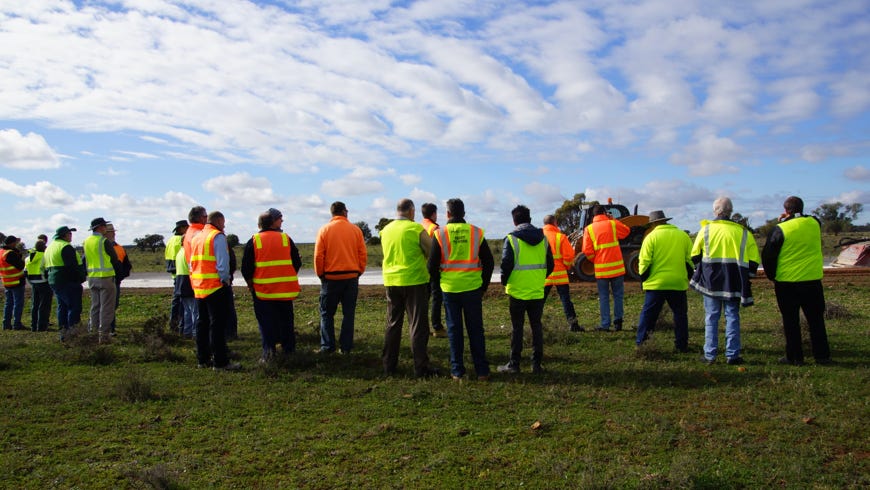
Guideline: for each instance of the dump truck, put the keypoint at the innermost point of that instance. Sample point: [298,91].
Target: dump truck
[583,269]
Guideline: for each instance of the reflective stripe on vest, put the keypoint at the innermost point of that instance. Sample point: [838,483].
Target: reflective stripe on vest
[607,269]
[204,277]
[98,261]
[274,275]
[10,274]
[560,272]
[530,269]
[460,261]
[740,260]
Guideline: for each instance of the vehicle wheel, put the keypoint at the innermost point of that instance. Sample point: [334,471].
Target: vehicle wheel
[632,265]
[584,269]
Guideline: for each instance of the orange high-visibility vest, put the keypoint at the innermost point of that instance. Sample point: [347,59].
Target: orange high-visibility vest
[10,274]
[274,275]
[204,277]
[563,256]
[608,256]
[429,226]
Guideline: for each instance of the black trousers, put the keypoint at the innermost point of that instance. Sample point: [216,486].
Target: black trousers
[211,327]
[791,297]
[519,308]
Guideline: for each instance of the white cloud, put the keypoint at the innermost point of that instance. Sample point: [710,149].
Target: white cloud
[26,152]
[241,187]
[858,172]
[40,194]
[410,179]
[709,154]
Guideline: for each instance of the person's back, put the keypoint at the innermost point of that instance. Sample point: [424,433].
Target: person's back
[404,261]
[665,254]
[340,250]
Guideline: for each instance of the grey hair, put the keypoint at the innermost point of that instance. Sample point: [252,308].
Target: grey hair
[722,207]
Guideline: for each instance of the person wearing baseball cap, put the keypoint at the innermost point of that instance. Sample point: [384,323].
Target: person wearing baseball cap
[66,273]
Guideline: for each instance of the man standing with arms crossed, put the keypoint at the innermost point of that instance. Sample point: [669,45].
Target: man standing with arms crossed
[563,259]
[339,259]
[406,248]
[601,246]
[463,263]
[526,262]
[792,259]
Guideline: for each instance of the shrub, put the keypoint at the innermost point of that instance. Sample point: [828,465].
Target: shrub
[85,347]
[135,387]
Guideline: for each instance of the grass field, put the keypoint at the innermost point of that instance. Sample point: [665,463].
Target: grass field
[139,414]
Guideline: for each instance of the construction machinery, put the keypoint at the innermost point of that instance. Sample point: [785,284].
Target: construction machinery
[584,270]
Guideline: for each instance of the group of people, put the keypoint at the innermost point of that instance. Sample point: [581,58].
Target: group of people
[56,270]
[427,265]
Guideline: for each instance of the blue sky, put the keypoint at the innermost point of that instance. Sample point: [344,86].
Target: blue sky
[135,110]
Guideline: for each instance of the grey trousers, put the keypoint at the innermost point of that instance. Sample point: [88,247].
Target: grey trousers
[103,294]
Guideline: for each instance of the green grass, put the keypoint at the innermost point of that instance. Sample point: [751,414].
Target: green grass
[609,417]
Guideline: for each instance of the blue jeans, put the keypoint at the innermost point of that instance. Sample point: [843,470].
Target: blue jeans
[564,291]
[69,306]
[468,306]
[333,293]
[14,308]
[189,316]
[652,306]
[605,286]
[713,311]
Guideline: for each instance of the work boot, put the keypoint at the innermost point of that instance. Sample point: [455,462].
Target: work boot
[617,325]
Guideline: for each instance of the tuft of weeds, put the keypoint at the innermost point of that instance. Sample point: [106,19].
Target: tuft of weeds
[156,341]
[85,348]
[134,386]
[158,477]
[834,311]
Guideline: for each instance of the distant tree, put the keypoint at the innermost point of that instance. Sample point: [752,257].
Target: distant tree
[382,224]
[568,215]
[152,242]
[232,240]
[743,220]
[366,231]
[766,228]
[834,220]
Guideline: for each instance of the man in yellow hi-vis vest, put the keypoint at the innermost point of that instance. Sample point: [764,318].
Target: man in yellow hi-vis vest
[406,246]
[792,259]
[526,262]
[101,260]
[463,262]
